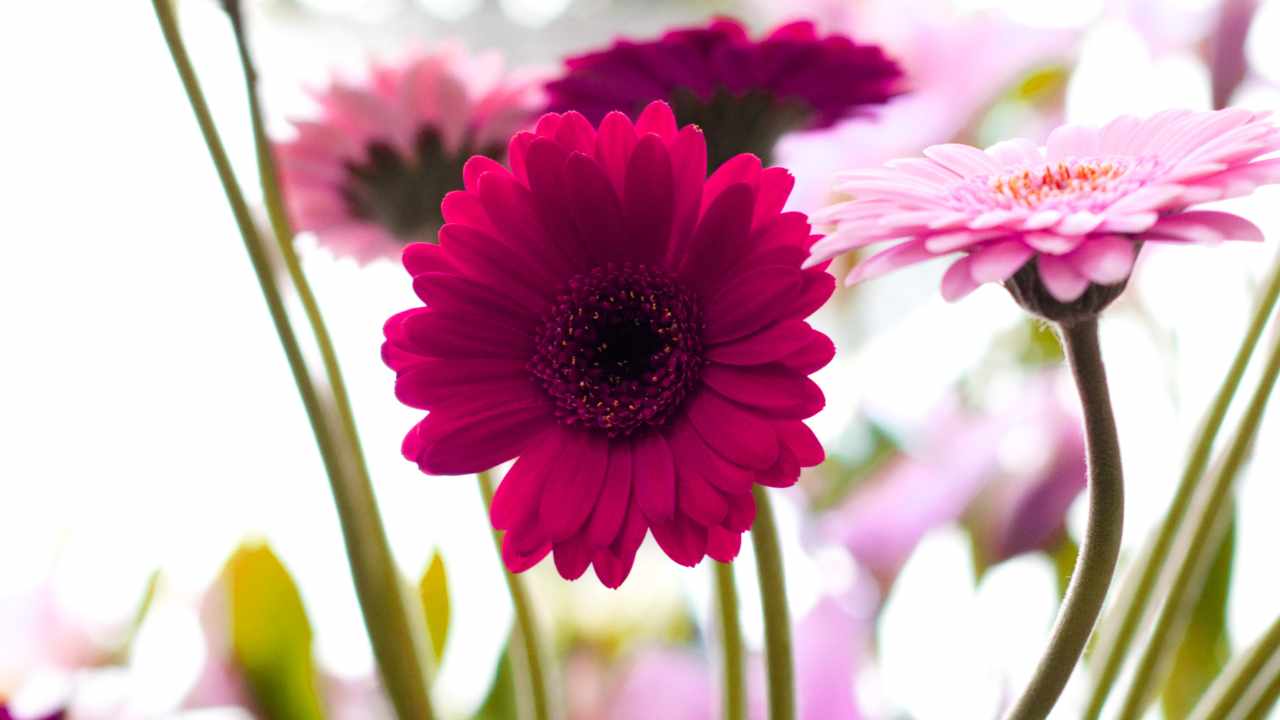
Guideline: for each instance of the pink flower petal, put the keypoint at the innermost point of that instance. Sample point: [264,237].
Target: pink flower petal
[1205,226]
[681,539]
[1081,222]
[698,499]
[648,200]
[1128,224]
[1017,152]
[689,450]
[570,494]
[737,434]
[962,159]
[767,345]
[463,444]
[614,143]
[783,394]
[958,281]
[1072,141]
[886,261]
[653,477]
[1052,244]
[995,263]
[611,509]
[1105,260]
[517,496]
[753,301]
[1060,278]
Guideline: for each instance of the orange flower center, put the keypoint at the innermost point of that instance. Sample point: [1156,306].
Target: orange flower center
[1031,188]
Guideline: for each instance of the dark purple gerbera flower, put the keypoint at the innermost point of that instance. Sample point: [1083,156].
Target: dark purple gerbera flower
[744,93]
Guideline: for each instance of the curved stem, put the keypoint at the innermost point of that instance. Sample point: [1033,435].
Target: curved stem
[1121,624]
[779,664]
[1097,561]
[378,583]
[530,639]
[1205,517]
[734,691]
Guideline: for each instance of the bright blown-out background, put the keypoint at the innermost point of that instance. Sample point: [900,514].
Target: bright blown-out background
[150,426]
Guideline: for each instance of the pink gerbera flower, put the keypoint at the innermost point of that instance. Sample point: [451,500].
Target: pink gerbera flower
[367,175]
[744,93]
[1060,225]
[627,328]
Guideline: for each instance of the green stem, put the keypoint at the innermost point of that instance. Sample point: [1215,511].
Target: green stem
[530,639]
[1260,702]
[1101,547]
[1189,558]
[734,698]
[1121,624]
[273,197]
[779,665]
[1229,688]
[378,584]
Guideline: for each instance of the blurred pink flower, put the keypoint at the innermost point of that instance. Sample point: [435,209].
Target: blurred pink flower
[220,683]
[673,684]
[1228,65]
[7,714]
[40,633]
[831,644]
[1023,509]
[955,65]
[1013,473]
[368,173]
[882,522]
[1074,212]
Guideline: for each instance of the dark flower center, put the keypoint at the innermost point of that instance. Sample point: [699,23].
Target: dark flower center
[620,349]
[751,122]
[402,193]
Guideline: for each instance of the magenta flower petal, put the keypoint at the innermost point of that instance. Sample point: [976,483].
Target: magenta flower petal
[368,174]
[628,330]
[1078,208]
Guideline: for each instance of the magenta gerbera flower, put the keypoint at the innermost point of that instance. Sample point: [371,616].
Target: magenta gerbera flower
[744,93]
[368,173]
[630,330]
[1061,224]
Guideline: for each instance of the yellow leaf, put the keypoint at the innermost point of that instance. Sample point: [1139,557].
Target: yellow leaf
[271,635]
[434,591]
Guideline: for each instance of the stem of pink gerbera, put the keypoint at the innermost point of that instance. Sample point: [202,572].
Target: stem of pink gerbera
[393,628]
[527,634]
[734,690]
[779,665]
[1097,561]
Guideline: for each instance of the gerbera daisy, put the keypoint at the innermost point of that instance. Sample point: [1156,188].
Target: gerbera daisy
[629,329]
[368,173]
[1060,225]
[744,93]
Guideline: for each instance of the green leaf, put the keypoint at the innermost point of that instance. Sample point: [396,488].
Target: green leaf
[270,635]
[1206,647]
[1064,556]
[502,702]
[1248,686]
[433,589]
